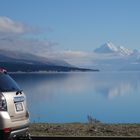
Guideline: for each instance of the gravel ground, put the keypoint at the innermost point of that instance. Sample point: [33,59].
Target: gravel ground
[84,129]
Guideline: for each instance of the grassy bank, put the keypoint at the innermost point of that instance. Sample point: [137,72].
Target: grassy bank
[84,129]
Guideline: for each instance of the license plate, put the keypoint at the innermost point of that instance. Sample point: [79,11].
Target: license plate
[19,107]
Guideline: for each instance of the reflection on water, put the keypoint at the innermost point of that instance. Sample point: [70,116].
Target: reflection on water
[70,97]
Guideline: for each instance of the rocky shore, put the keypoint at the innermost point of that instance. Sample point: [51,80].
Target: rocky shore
[84,129]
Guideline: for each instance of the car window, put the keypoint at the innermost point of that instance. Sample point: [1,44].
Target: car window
[7,83]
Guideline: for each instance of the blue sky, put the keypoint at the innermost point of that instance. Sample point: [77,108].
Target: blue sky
[79,24]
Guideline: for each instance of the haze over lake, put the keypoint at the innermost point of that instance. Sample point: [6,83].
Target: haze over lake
[111,97]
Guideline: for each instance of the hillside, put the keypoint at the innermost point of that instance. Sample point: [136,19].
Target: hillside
[25,62]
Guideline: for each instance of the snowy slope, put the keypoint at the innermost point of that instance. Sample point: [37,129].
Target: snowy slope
[111,48]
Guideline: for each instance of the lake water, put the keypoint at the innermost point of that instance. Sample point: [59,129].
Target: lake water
[111,97]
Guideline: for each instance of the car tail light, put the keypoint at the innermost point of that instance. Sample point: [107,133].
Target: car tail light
[3,104]
[7,130]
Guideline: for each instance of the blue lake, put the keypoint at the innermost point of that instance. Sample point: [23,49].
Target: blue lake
[111,97]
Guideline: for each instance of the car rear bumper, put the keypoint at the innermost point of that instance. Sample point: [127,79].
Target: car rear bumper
[20,132]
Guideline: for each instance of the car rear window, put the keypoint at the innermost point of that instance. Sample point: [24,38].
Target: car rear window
[7,83]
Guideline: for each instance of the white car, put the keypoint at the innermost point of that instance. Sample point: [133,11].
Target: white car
[14,116]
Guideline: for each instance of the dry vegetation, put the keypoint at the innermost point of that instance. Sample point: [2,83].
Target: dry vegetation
[84,129]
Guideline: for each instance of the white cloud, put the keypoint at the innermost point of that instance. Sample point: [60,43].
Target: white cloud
[73,57]
[10,26]
[81,58]
[17,36]
[34,46]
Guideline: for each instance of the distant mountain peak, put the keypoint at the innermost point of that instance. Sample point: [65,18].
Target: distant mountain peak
[109,47]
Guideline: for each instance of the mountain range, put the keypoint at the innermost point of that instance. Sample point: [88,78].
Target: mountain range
[116,58]
[107,57]
[14,61]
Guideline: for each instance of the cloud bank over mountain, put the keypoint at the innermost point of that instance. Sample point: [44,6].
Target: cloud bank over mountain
[20,37]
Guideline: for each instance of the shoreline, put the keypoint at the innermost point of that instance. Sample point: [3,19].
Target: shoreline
[84,129]
[49,72]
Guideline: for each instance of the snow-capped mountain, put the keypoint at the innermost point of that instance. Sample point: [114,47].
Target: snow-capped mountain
[111,48]
[109,57]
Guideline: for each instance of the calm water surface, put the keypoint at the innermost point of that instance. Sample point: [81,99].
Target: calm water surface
[110,97]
